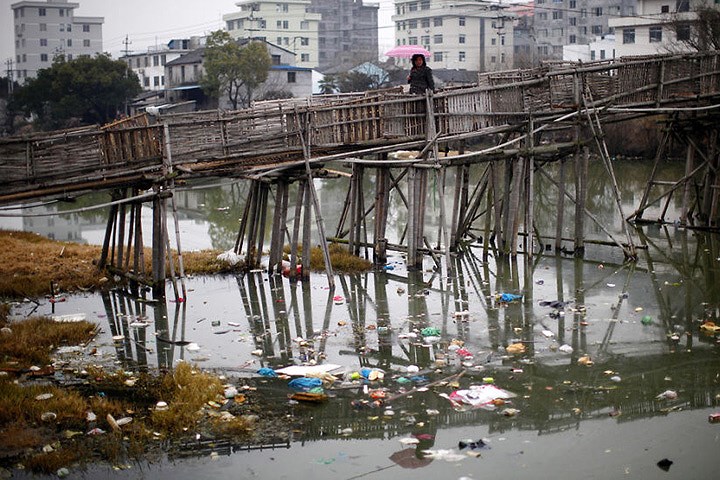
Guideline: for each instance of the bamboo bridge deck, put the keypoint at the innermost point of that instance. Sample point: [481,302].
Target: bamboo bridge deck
[528,116]
[270,136]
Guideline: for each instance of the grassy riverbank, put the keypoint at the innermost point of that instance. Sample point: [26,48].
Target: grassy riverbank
[35,266]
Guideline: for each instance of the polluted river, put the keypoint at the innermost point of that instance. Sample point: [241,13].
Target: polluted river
[528,367]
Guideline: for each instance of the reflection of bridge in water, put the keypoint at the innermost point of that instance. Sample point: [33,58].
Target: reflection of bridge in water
[277,313]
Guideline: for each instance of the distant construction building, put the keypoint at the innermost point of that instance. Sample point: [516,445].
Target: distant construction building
[462,35]
[47,29]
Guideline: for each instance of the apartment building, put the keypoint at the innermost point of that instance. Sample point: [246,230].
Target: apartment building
[348,32]
[289,24]
[659,26]
[149,66]
[460,35]
[44,30]
[558,23]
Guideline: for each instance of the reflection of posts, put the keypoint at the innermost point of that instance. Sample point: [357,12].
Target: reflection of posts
[165,355]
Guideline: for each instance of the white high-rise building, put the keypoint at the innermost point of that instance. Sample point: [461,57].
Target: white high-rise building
[46,29]
[659,26]
[463,35]
[288,24]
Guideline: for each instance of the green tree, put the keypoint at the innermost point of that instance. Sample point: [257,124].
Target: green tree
[356,82]
[86,90]
[329,84]
[233,70]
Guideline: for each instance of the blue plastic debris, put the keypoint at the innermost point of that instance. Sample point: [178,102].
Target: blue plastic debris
[304,384]
[509,297]
[267,372]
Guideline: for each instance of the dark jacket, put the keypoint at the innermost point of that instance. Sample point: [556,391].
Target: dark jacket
[420,78]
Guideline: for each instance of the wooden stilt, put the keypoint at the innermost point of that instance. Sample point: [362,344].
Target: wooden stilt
[580,198]
[382,197]
[530,193]
[560,206]
[158,247]
[296,231]
[687,191]
[307,242]
[263,205]
[278,228]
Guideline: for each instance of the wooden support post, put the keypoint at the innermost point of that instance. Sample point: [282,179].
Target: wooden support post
[687,191]
[307,242]
[278,228]
[412,219]
[382,197]
[263,205]
[108,236]
[560,206]
[513,211]
[296,231]
[139,256]
[710,176]
[251,222]
[121,231]
[581,170]
[158,247]
[530,193]
[244,221]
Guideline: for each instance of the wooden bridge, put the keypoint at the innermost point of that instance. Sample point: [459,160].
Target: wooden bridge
[528,117]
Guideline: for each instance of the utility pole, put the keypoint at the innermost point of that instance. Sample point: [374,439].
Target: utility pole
[10,82]
[127,43]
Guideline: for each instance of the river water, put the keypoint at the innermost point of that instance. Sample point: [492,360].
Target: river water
[638,323]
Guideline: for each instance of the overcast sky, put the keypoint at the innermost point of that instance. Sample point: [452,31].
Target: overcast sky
[150,22]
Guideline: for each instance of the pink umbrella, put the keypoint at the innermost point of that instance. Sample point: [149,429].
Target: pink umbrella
[407,51]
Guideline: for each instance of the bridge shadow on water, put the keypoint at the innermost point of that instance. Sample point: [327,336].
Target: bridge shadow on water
[600,339]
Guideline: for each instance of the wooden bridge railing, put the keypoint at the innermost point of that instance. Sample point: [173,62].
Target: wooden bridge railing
[215,142]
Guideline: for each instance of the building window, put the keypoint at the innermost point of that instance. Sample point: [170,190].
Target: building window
[596,29]
[304,41]
[163,59]
[68,27]
[683,32]
[275,59]
[437,22]
[43,42]
[461,38]
[665,9]
[572,4]
[597,11]
[592,55]
[557,14]
[572,39]
[461,21]
[146,81]
[425,23]
[412,7]
[573,21]
[304,25]
[43,57]
[425,39]
[438,57]
[583,13]
[425,5]
[437,39]
[682,5]
[147,61]
[86,28]
[493,59]
[62,12]
[291,77]
[628,35]
[69,42]
[412,40]
[282,7]
[493,41]
[42,12]
[61,27]
[304,57]
[655,34]
[86,43]
[43,27]
[542,15]
[461,56]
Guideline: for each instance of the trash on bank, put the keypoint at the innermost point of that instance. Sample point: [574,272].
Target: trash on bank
[515,348]
[305,384]
[714,417]
[305,370]
[709,328]
[667,395]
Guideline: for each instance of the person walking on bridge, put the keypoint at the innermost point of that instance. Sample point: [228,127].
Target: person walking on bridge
[421,77]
